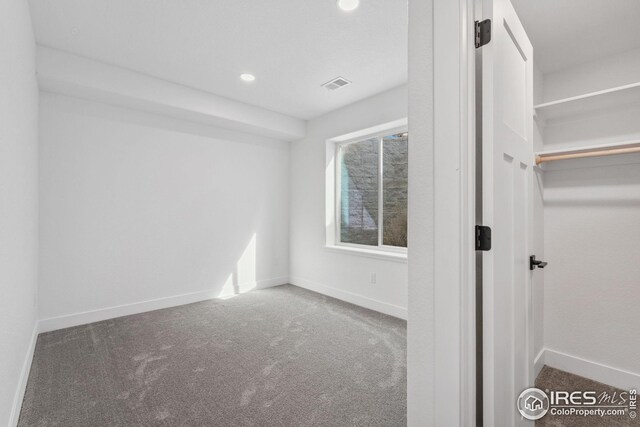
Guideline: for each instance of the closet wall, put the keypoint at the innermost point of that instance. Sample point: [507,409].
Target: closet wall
[592,222]
[18,205]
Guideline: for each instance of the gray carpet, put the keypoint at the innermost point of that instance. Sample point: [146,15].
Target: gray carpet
[276,357]
[554,379]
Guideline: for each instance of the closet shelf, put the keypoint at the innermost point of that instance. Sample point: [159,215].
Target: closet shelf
[625,147]
[587,103]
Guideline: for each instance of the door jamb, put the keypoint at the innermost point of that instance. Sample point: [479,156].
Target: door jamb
[454,204]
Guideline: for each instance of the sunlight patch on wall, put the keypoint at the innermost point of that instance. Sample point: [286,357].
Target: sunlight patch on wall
[244,278]
[228,290]
[246,266]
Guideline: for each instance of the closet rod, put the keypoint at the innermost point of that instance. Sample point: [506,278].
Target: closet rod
[581,155]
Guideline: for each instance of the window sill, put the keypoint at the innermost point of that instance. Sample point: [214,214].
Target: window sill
[369,253]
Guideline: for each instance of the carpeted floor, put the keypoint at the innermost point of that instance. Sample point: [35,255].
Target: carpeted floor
[282,356]
[554,379]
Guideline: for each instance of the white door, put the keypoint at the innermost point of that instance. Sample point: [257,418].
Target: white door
[507,162]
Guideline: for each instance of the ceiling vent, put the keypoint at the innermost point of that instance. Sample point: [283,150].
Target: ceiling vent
[336,83]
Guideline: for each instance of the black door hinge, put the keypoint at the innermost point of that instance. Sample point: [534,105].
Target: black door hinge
[483,32]
[483,238]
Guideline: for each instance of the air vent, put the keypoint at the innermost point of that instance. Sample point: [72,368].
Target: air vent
[336,83]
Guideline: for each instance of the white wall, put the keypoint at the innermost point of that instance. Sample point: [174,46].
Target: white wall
[18,203]
[592,232]
[344,276]
[610,125]
[605,73]
[592,244]
[136,207]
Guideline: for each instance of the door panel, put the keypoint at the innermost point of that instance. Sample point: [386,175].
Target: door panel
[508,159]
[514,87]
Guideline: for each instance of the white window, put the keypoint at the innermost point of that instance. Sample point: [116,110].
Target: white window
[369,186]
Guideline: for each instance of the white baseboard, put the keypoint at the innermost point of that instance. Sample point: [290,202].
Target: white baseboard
[82,318]
[609,375]
[371,304]
[24,377]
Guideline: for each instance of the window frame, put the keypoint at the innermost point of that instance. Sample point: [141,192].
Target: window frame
[379,134]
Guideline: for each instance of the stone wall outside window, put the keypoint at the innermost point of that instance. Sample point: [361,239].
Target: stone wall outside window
[359,191]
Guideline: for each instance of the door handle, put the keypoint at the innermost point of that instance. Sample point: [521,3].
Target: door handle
[533,263]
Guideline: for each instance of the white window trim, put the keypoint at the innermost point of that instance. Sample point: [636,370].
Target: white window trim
[332,193]
[369,252]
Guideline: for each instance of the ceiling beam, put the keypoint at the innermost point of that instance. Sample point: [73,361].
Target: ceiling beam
[68,74]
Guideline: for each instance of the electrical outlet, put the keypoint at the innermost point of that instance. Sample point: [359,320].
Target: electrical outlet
[372,279]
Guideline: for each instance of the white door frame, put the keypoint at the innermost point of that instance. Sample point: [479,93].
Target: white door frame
[454,132]
[441,327]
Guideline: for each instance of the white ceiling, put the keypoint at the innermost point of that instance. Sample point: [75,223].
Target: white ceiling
[292,46]
[570,32]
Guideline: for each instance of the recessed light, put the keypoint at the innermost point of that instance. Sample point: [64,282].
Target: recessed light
[348,5]
[247,77]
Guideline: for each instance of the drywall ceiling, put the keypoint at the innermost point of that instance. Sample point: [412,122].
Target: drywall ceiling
[570,32]
[291,46]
